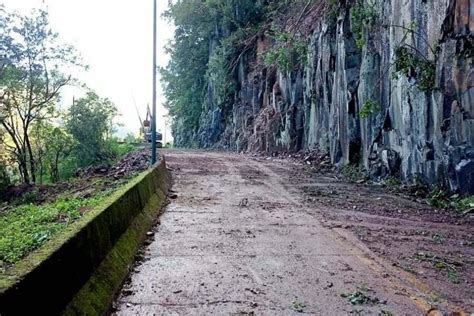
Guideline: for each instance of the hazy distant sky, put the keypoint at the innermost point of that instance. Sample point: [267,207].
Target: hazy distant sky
[114,38]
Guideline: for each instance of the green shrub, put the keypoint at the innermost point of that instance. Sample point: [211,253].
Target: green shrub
[118,150]
[438,198]
[412,64]
[288,52]
[370,107]
[219,72]
[392,181]
[332,12]
[465,203]
[29,197]
[353,173]
[363,17]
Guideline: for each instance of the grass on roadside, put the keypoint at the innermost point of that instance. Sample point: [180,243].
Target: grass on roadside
[27,227]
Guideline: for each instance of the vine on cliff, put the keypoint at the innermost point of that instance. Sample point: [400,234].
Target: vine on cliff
[218,72]
[417,66]
[363,18]
[413,63]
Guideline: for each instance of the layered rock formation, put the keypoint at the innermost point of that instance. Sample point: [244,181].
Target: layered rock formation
[412,132]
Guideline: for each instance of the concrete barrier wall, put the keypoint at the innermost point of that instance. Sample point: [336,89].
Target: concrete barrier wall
[79,272]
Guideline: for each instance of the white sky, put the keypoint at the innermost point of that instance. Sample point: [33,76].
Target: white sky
[114,37]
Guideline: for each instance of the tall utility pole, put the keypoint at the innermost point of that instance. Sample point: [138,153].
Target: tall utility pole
[153,118]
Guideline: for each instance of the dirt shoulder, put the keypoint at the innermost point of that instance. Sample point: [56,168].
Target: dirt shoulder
[432,248]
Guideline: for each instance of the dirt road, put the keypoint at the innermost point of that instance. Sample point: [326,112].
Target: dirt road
[242,238]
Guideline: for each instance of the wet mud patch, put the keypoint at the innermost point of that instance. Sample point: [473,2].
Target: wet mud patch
[432,245]
[435,246]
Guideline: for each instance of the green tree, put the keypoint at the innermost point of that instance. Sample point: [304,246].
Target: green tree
[204,53]
[58,148]
[52,147]
[184,77]
[30,81]
[4,177]
[90,122]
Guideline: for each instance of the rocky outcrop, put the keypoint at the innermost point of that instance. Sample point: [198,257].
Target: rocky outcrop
[412,132]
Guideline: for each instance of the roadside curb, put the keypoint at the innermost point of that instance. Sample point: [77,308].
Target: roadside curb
[79,272]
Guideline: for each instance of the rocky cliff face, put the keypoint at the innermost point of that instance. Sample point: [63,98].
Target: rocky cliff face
[356,98]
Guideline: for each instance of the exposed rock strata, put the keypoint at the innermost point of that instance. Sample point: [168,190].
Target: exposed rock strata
[416,135]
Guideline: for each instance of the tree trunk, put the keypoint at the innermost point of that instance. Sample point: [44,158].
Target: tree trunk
[41,170]
[54,169]
[31,157]
[24,170]
[21,152]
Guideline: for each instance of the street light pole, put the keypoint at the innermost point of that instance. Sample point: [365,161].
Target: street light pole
[153,119]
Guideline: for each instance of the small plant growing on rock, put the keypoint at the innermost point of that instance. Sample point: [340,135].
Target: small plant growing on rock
[370,107]
[332,12]
[465,48]
[288,51]
[414,65]
[363,17]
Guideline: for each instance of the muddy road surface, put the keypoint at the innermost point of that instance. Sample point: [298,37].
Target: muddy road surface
[248,236]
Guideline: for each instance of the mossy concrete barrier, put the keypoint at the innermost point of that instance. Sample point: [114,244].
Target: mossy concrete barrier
[79,272]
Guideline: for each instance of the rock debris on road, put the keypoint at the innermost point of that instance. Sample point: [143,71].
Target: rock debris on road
[237,240]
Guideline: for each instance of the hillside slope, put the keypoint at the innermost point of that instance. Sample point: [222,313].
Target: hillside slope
[386,84]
